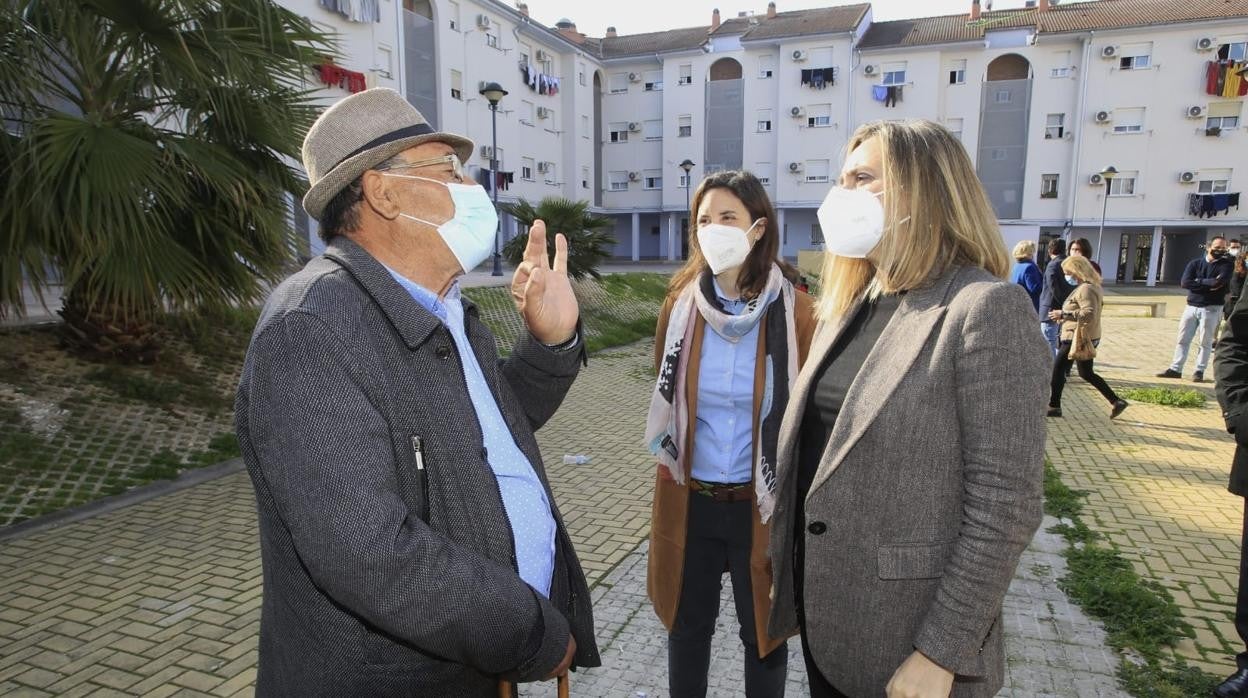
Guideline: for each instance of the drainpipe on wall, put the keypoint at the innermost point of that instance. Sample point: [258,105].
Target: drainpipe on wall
[1082,123]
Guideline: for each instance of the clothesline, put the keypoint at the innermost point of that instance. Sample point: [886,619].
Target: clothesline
[355,10]
[819,78]
[489,179]
[538,81]
[335,76]
[1210,205]
[1226,78]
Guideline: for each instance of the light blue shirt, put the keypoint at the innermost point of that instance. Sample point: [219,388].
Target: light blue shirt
[524,498]
[723,438]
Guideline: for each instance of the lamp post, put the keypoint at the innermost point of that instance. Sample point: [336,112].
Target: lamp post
[495,93]
[687,165]
[1108,175]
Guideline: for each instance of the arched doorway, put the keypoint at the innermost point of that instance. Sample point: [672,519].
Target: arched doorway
[725,116]
[1005,104]
[420,70]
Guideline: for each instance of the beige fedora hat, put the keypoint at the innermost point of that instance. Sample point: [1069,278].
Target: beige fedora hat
[361,132]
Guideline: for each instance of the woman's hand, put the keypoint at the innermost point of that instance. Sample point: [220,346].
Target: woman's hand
[1055,315]
[920,677]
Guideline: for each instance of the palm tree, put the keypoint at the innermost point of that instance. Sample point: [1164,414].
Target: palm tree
[147,152]
[589,243]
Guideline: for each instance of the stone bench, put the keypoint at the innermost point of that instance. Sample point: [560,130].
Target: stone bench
[1134,308]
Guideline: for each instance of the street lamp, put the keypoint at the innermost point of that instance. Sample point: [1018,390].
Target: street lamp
[686,166]
[494,92]
[1108,175]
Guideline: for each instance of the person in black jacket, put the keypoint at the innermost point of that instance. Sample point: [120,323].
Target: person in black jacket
[1230,369]
[1054,293]
[1237,279]
[1207,280]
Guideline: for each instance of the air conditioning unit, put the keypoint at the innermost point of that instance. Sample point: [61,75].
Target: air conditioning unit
[1187,177]
[633,176]
[868,69]
[1195,111]
[543,113]
[1096,179]
[487,151]
[634,126]
[795,167]
[1206,43]
[797,112]
[1109,52]
[799,55]
[634,77]
[483,21]
[542,56]
[544,166]
[1103,116]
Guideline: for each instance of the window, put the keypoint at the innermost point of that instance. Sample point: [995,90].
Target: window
[893,73]
[1048,186]
[619,181]
[498,158]
[551,176]
[816,234]
[526,112]
[685,126]
[818,170]
[584,126]
[1123,184]
[1003,96]
[683,182]
[552,123]
[654,81]
[766,66]
[764,120]
[999,154]
[955,127]
[1129,120]
[1062,72]
[957,72]
[584,177]
[525,51]
[1234,51]
[1062,67]
[457,85]
[1213,186]
[653,129]
[653,180]
[453,12]
[526,169]
[686,74]
[491,40]
[385,60]
[1223,115]
[819,115]
[1135,56]
[1055,126]
[763,171]
[580,74]
[619,83]
[618,132]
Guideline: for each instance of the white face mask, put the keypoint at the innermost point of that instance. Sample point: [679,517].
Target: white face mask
[852,221]
[470,232]
[724,246]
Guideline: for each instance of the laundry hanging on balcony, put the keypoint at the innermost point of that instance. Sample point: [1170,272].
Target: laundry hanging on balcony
[355,10]
[819,78]
[335,76]
[489,179]
[890,95]
[1210,205]
[538,81]
[1226,78]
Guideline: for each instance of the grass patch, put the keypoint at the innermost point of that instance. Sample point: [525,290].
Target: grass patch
[1140,615]
[1169,397]
[607,332]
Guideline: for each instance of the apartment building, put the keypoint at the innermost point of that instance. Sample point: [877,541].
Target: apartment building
[1044,97]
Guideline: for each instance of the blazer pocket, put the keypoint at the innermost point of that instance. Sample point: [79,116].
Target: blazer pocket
[913,560]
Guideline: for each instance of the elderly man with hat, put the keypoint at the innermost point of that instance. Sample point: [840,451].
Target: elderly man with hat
[410,540]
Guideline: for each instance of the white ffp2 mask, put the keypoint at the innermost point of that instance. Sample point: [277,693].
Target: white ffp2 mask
[724,246]
[852,221]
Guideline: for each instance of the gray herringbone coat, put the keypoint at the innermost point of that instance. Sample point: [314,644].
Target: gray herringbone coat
[383,578]
[928,491]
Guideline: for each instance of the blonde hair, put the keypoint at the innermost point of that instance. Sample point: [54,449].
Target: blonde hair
[929,178]
[1024,250]
[1079,266]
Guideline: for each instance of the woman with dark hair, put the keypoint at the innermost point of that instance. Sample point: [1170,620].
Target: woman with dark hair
[731,336]
[1082,248]
[1236,288]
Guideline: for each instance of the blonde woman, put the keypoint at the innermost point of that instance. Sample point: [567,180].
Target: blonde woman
[1025,272]
[901,509]
[1082,312]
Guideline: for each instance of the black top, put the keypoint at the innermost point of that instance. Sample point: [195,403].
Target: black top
[1207,282]
[1055,290]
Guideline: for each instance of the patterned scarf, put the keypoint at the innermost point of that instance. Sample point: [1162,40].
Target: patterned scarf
[668,422]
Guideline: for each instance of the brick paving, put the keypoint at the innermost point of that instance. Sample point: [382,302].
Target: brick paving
[162,597]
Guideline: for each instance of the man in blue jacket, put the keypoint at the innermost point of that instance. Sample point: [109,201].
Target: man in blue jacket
[1054,293]
[1207,280]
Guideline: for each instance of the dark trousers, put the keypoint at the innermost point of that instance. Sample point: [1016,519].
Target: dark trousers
[718,539]
[1062,364]
[820,687]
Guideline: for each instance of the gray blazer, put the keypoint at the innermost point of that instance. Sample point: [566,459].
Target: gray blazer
[383,577]
[927,493]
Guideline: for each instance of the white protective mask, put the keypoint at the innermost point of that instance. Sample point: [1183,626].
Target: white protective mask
[724,246]
[852,221]
[470,232]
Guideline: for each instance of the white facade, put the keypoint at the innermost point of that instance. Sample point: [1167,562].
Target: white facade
[619,127]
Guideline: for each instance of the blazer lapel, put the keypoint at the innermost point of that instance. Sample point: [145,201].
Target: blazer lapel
[886,365]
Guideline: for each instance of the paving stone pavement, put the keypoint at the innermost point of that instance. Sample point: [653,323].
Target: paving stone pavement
[162,597]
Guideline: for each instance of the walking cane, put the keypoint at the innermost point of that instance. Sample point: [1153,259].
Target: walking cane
[507,689]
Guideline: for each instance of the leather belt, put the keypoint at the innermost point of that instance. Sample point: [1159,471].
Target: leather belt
[722,492]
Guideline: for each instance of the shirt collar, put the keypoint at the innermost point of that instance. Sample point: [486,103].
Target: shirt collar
[426,298]
[719,293]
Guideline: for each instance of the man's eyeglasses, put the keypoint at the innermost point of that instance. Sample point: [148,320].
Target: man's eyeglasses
[456,171]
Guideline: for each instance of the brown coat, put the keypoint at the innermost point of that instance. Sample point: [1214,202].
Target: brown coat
[669,522]
[1083,309]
